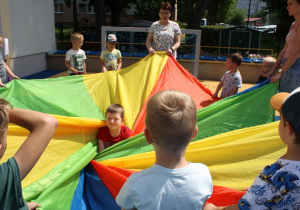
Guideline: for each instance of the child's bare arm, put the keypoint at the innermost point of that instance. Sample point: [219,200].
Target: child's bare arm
[211,206]
[119,63]
[102,65]
[42,127]
[234,90]
[67,64]
[9,72]
[220,85]
[100,145]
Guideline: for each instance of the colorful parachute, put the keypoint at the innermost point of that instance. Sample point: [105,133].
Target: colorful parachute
[237,135]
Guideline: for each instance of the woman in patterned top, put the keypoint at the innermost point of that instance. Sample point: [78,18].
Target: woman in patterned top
[164,35]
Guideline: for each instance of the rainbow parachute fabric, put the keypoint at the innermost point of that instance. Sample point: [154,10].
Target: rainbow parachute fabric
[237,135]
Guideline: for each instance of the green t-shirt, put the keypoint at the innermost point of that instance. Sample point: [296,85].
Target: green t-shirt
[10,186]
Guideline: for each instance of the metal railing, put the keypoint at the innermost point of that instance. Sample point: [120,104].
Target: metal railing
[183,50]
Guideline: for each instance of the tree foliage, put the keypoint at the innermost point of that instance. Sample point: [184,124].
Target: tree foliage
[116,8]
[148,9]
[218,11]
[278,9]
[73,3]
[237,17]
[195,10]
[189,11]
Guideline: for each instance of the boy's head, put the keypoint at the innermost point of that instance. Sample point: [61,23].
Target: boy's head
[77,40]
[234,60]
[267,64]
[288,106]
[114,116]
[111,42]
[4,120]
[171,120]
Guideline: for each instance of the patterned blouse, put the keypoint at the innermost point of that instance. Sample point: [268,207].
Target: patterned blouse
[163,35]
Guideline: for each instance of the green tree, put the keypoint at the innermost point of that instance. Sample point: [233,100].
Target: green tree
[237,17]
[148,10]
[73,3]
[117,8]
[219,10]
[277,9]
[99,16]
[195,10]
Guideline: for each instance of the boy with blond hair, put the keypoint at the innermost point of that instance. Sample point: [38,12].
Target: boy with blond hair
[75,57]
[277,185]
[267,64]
[114,131]
[42,127]
[172,182]
[232,79]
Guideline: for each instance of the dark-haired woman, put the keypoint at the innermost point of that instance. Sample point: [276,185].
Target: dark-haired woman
[164,35]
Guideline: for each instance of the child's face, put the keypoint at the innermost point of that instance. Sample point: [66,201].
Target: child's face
[265,68]
[1,41]
[230,65]
[77,43]
[111,45]
[114,120]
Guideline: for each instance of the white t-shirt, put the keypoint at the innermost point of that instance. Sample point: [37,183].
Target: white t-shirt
[76,58]
[162,188]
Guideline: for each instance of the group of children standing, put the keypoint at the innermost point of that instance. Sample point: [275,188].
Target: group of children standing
[110,59]
[231,81]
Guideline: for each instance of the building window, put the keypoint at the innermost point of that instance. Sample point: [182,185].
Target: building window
[91,9]
[81,8]
[58,8]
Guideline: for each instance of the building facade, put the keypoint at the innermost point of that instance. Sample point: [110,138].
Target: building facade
[255,5]
[29,28]
[85,13]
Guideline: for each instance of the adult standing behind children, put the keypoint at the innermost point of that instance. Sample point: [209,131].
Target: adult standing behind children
[289,73]
[42,127]
[232,79]
[164,35]
[172,182]
[277,185]
[266,67]
[114,131]
[111,58]
[4,68]
[75,57]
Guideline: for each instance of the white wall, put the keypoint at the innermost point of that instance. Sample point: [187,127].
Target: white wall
[29,26]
